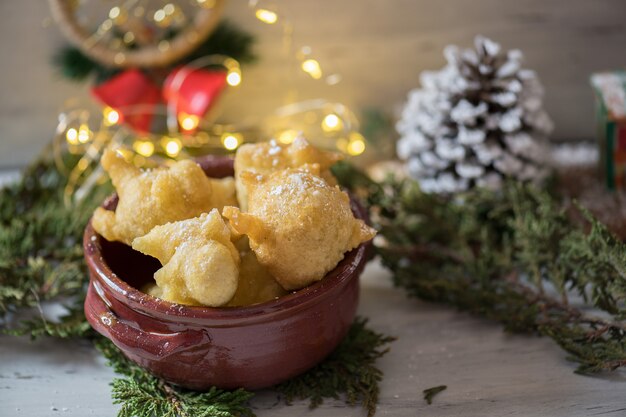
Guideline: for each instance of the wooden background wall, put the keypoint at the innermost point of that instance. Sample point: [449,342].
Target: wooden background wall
[379,47]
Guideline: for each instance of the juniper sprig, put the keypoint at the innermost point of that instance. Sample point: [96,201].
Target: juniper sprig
[515,256]
[41,256]
[143,395]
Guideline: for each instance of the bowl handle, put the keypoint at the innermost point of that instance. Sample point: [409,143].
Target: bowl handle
[132,339]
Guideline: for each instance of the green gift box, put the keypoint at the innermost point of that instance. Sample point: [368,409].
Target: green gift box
[610,91]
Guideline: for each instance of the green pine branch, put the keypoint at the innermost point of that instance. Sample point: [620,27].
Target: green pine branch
[78,67]
[41,256]
[143,395]
[156,398]
[515,256]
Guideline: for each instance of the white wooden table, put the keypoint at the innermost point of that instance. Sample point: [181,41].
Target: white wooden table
[488,373]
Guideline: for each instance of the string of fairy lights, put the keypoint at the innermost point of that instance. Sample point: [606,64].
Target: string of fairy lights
[327,124]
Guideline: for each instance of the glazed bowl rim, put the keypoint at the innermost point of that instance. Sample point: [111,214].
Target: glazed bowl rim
[341,275]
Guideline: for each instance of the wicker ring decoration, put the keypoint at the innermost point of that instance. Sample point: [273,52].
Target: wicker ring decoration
[145,56]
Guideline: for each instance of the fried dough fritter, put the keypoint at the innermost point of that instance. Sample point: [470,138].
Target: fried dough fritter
[256,284]
[200,263]
[299,226]
[267,157]
[155,197]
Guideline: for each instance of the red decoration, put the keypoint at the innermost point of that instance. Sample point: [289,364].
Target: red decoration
[193,91]
[133,95]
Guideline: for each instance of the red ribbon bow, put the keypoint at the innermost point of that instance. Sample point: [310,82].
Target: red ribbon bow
[134,95]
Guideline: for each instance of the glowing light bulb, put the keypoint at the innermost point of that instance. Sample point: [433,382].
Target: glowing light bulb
[188,121]
[287,136]
[114,13]
[356,146]
[129,37]
[312,67]
[106,25]
[331,123]
[169,8]
[72,136]
[159,15]
[231,140]
[172,147]
[144,147]
[266,16]
[233,78]
[119,58]
[83,134]
[118,15]
[163,45]
[111,116]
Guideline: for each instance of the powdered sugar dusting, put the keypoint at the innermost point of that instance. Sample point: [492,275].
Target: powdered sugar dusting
[275,149]
[277,190]
[299,183]
[297,179]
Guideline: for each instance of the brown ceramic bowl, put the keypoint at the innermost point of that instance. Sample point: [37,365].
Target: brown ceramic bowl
[199,347]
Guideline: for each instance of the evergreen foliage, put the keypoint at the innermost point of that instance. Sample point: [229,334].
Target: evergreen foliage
[41,255]
[515,256]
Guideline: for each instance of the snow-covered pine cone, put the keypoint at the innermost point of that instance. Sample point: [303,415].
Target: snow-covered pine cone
[475,122]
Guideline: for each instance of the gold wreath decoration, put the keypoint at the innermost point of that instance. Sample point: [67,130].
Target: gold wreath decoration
[145,56]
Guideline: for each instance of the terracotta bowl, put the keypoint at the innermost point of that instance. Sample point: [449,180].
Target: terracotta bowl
[199,347]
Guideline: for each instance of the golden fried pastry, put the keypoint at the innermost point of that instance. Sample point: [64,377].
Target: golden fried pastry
[200,263]
[299,226]
[155,197]
[256,284]
[267,157]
